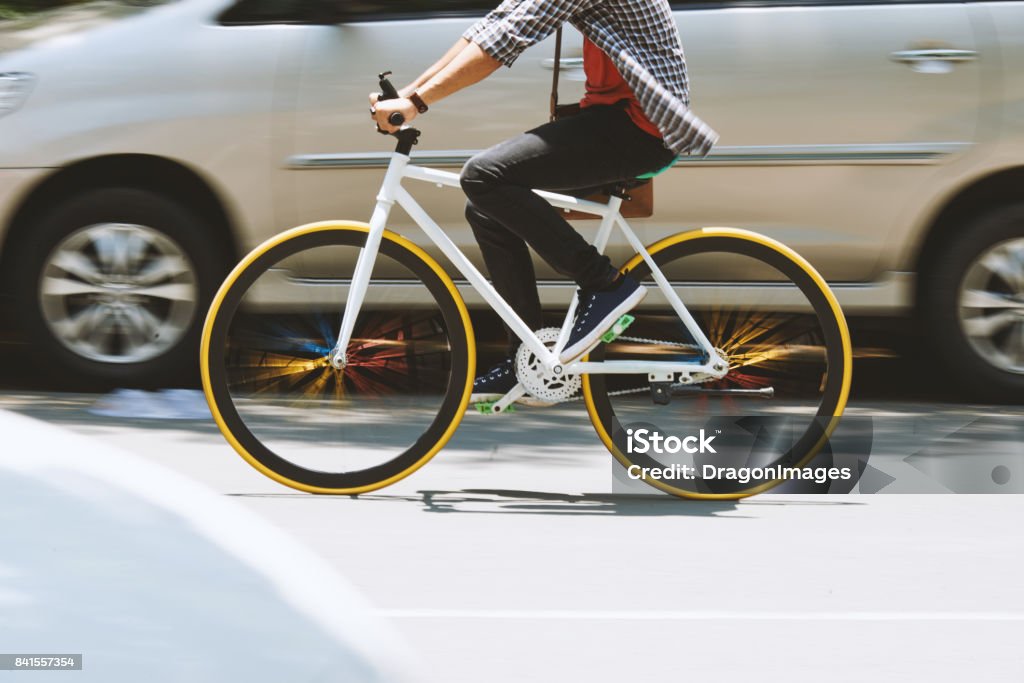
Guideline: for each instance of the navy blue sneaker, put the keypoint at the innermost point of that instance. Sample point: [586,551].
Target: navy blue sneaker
[597,312]
[495,383]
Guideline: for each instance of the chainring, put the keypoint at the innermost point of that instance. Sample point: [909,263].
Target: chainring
[539,382]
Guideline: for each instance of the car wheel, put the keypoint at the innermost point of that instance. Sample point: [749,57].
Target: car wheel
[113,287]
[973,296]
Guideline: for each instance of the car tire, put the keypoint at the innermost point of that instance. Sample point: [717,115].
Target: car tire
[972,294]
[112,287]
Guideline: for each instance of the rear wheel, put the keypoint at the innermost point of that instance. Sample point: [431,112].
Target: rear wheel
[281,403]
[771,315]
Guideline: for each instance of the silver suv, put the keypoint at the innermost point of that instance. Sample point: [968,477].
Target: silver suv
[882,140]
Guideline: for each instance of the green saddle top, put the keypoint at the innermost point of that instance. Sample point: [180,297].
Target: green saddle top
[645,176]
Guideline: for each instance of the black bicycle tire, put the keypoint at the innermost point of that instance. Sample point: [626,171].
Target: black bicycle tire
[258,455]
[837,344]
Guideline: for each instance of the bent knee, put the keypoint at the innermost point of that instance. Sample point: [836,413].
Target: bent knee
[478,174]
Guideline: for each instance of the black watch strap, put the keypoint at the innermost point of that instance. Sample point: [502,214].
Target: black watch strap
[421,106]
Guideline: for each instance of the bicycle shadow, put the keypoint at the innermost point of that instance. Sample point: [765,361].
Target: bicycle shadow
[508,501]
[521,502]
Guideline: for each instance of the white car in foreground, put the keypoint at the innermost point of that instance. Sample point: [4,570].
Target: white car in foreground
[148,576]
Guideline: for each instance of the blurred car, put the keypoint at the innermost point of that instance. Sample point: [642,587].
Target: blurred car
[138,162]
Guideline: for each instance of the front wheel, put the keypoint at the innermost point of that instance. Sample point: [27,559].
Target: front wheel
[287,410]
[773,317]
[111,287]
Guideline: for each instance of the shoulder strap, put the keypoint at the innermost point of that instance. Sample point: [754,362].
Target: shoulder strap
[554,72]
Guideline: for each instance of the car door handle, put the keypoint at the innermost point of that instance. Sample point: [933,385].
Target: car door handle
[933,55]
[563,63]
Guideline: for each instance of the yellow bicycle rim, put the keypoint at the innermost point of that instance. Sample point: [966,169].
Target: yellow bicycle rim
[756,238]
[248,261]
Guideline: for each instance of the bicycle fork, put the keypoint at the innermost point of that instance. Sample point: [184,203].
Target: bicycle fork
[365,261]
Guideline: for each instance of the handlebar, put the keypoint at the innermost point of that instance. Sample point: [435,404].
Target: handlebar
[407,136]
[388,92]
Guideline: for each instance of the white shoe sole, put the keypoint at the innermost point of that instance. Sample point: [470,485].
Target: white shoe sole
[585,345]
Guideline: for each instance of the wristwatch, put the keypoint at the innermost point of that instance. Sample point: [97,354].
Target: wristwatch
[421,106]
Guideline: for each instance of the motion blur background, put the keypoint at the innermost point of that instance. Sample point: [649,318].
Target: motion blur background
[145,146]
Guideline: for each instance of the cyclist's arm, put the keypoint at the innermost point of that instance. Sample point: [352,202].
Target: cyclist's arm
[455,49]
[471,65]
[496,39]
[458,47]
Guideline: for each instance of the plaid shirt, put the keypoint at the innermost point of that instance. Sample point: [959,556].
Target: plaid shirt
[639,36]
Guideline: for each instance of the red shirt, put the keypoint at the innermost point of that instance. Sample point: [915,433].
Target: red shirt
[605,86]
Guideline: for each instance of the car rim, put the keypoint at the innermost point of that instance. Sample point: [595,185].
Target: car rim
[118,293]
[992,305]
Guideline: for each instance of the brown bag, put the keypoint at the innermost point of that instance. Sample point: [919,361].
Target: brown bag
[638,199]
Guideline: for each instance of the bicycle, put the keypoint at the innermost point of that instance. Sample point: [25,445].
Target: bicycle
[309,394]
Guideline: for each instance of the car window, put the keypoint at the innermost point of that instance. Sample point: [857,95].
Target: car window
[381,8]
[337,11]
[270,12]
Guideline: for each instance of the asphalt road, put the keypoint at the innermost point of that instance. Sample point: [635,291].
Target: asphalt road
[508,557]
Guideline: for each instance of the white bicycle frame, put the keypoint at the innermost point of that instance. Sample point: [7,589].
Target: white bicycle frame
[391,191]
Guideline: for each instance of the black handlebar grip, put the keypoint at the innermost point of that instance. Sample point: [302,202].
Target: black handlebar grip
[395,119]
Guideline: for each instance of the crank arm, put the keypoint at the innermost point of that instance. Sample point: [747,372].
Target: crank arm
[508,399]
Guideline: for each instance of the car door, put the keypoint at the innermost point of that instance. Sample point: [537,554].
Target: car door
[832,115]
[334,160]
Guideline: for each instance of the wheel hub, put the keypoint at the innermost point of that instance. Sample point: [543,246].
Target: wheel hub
[992,305]
[118,293]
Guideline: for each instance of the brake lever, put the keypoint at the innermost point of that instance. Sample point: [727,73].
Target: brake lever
[388,91]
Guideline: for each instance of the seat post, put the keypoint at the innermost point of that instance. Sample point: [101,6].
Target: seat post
[615,203]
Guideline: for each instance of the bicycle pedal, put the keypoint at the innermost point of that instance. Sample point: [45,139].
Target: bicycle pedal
[618,328]
[487,408]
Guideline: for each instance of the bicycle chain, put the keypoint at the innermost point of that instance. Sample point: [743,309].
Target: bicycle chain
[656,341]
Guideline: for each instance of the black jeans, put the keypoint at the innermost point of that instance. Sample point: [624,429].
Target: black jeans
[599,146]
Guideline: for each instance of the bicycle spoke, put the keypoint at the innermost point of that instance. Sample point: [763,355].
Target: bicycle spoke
[780,340]
[379,408]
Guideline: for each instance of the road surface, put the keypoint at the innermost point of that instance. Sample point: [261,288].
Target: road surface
[508,559]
